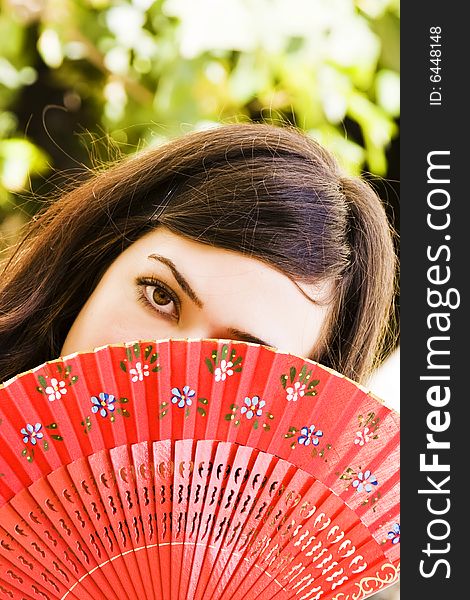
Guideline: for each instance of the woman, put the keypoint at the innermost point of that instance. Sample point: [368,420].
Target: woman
[244,232]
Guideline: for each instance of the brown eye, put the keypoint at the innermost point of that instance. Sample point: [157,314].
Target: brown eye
[157,296]
[160,296]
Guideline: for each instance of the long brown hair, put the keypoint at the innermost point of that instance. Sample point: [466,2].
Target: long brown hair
[269,192]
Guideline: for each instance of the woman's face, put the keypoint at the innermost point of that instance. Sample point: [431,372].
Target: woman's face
[166,286]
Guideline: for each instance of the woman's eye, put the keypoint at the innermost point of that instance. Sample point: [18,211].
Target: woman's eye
[159,298]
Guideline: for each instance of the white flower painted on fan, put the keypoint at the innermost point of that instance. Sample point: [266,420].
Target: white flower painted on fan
[56,390]
[293,393]
[139,372]
[362,437]
[182,397]
[224,370]
[253,407]
[364,481]
[32,433]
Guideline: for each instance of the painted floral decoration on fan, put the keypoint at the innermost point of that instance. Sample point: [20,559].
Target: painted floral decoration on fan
[130,432]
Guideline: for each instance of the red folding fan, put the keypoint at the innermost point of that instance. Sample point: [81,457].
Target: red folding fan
[195,469]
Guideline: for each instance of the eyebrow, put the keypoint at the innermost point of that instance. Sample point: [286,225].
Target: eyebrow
[188,290]
[184,285]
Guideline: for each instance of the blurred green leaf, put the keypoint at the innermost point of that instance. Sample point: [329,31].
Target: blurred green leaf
[137,72]
[19,159]
[387,85]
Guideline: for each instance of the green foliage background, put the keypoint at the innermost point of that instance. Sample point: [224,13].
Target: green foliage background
[83,81]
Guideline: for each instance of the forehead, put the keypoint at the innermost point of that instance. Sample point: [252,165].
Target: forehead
[236,291]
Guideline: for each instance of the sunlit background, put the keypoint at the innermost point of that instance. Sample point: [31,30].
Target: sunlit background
[84,82]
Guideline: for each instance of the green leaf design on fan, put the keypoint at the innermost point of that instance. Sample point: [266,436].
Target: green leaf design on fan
[54,436]
[291,432]
[223,365]
[132,364]
[86,423]
[372,500]
[347,474]
[301,384]
[200,409]
[33,438]
[371,420]
[163,409]
[55,386]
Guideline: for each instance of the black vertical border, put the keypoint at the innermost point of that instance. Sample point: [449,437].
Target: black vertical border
[426,128]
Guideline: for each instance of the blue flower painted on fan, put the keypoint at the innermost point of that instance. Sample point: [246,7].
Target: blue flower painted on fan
[103,404]
[32,433]
[253,407]
[182,398]
[394,535]
[310,435]
[365,481]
